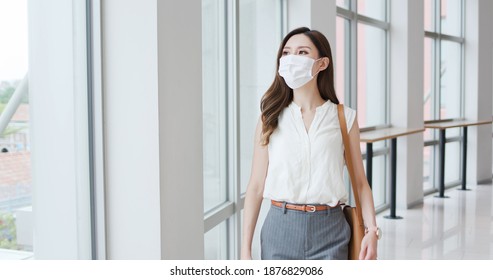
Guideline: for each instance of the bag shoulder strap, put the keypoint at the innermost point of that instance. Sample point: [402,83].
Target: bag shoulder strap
[349,160]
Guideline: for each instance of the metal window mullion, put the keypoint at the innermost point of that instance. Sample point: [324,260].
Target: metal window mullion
[437,80]
[345,13]
[436,106]
[462,86]
[387,11]
[284,18]
[378,152]
[437,18]
[373,22]
[432,35]
[241,203]
[451,38]
[463,19]
[231,125]
[447,140]
[96,131]
[235,234]
[387,96]
[462,81]
[436,35]
[218,215]
[90,132]
[431,143]
[435,88]
[347,60]
[438,58]
[353,33]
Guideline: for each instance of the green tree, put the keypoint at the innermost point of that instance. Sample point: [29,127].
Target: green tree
[7,89]
[8,235]
[6,93]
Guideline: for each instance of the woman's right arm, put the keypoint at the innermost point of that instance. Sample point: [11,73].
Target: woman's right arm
[254,193]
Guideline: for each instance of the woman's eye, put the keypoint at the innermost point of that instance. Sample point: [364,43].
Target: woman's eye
[285,53]
[303,52]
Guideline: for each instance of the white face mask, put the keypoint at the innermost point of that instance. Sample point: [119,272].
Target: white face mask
[296,70]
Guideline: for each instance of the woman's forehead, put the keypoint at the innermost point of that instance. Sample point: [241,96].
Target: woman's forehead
[299,40]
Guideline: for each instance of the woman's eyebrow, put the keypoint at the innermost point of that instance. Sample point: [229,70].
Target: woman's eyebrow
[300,47]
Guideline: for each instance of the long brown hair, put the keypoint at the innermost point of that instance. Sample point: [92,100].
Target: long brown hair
[279,95]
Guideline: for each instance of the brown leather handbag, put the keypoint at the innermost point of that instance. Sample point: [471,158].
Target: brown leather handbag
[353,215]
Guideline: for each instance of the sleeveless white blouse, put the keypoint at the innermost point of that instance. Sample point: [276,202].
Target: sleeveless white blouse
[307,167]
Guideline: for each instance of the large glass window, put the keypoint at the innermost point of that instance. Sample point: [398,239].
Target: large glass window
[16,221]
[214,108]
[361,61]
[451,17]
[371,75]
[342,58]
[443,85]
[450,80]
[373,8]
[239,41]
[260,36]
[216,242]
[214,102]
[56,121]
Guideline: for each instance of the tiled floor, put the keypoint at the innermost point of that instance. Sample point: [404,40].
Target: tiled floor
[455,228]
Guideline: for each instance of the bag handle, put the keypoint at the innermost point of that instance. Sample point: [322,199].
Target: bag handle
[349,160]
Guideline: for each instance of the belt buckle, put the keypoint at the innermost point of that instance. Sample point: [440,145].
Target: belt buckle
[313,208]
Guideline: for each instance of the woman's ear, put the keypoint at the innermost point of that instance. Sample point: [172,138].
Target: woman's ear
[324,63]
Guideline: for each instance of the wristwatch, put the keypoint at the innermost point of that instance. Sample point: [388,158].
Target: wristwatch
[377,230]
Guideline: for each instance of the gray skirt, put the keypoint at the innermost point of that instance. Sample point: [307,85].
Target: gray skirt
[296,235]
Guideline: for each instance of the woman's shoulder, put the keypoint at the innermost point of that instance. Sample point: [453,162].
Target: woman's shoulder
[347,109]
[349,113]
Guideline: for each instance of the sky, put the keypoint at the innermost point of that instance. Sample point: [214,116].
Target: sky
[13,39]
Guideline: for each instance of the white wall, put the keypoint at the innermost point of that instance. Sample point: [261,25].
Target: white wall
[58,113]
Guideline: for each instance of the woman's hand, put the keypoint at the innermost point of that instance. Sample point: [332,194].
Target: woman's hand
[369,247]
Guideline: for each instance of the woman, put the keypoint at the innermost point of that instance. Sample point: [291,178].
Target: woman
[298,161]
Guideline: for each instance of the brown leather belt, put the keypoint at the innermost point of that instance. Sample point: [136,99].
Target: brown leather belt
[303,207]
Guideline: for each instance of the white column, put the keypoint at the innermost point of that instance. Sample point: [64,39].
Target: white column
[314,14]
[406,96]
[180,128]
[59,131]
[131,127]
[152,77]
[478,88]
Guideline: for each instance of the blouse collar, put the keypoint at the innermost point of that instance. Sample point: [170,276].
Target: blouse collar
[295,107]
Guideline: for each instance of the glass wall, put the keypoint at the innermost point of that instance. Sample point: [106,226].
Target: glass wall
[16,223]
[361,62]
[214,102]
[443,92]
[239,47]
[260,36]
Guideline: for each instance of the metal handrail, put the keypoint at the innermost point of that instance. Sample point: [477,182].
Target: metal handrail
[13,104]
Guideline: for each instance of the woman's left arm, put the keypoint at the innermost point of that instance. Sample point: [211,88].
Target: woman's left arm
[369,243]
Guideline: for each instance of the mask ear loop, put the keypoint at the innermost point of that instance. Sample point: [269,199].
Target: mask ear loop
[319,69]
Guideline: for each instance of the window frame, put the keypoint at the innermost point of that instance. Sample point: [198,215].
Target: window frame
[437,38]
[351,95]
[231,210]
